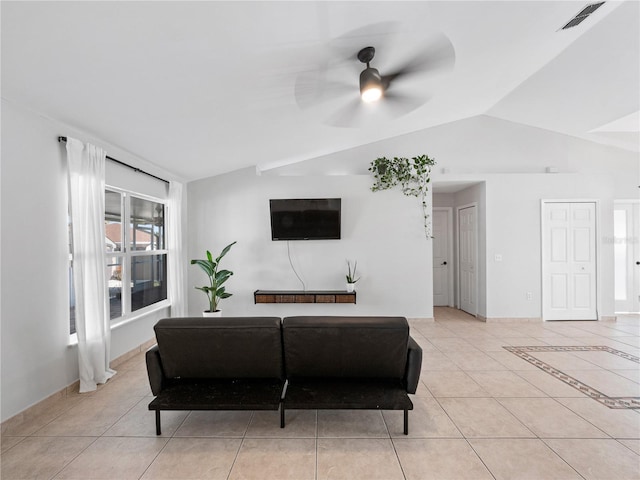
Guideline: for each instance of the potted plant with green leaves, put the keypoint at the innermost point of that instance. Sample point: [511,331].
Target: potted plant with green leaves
[351,276]
[215,291]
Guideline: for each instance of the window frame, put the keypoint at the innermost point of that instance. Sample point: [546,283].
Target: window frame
[126,255]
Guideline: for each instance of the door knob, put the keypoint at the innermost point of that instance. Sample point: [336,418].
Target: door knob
[444,263]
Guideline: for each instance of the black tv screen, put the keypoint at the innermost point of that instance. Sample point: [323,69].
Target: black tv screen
[305,219]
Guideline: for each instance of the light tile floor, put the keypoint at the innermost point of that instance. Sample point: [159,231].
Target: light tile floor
[481,412]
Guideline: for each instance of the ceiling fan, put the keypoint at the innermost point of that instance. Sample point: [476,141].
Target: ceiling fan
[330,91]
[371,83]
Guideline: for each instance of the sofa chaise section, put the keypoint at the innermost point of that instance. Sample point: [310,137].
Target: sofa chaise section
[349,363]
[229,363]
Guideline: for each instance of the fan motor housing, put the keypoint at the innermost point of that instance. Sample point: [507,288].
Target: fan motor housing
[370,77]
[370,85]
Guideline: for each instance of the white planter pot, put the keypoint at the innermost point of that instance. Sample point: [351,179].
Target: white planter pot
[217,313]
[351,287]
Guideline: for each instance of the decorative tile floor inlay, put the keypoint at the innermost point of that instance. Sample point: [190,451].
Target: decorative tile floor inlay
[524,352]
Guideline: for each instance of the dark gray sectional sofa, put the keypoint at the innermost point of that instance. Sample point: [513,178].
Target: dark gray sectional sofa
[265,363]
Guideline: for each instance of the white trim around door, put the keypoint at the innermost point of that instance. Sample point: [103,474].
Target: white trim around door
[569,244]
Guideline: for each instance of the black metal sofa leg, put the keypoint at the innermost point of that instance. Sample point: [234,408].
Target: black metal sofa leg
[406,422]
[158,431]
[281,416]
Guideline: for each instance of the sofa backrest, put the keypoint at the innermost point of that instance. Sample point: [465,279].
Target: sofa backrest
[226,347]
[345,347]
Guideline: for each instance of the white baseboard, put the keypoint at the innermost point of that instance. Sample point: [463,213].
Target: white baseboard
[509,319]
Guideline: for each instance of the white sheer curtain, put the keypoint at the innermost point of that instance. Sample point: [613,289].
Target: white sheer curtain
[86,192]
[175,262]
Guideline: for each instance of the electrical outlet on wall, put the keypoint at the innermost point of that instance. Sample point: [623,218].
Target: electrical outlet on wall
[529,296]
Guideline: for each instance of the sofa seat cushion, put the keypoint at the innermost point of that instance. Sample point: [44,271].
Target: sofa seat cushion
[337,393]
[226,394]
[347,347]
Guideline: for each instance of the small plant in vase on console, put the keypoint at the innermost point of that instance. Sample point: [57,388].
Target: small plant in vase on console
[351,276]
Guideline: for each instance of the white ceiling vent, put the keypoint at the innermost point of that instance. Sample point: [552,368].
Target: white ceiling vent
[584,13]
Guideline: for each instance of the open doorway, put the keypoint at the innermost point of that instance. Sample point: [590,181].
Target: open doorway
[457,238]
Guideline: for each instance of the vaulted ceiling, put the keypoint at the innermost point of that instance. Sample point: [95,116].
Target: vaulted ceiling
[202,88]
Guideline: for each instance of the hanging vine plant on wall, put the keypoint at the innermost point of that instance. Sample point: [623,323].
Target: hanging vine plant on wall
[413,175]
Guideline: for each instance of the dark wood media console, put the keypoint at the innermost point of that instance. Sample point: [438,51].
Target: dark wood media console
[304,296]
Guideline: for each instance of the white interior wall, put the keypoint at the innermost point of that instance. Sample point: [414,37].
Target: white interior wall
[382,231]
[509,225]
[510,159]
[37,359]
[475,145]
[514,232]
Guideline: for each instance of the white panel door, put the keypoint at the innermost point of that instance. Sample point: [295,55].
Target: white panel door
[468,259]
[441,258]
[626,231]
[569,261]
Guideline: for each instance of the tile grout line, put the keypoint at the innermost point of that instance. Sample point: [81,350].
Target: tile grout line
[315,474]
[480,458]
[561,457]
[317,438]
[395,450]
[168,438]
[235,458]
[95,439]
[564,406]
[166,443]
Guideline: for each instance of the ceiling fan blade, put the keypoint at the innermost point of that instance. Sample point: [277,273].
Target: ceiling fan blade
[438,56]
[340,53]
[351,115]
[346,47]
[314,88]
[396,104]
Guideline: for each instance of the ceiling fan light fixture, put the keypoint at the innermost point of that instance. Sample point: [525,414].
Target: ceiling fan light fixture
[370,85]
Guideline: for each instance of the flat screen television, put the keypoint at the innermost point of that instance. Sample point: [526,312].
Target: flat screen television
[305,218]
